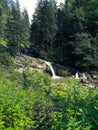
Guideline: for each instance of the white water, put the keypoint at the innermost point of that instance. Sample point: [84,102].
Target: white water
[52,70]
[83,76]
[77,75]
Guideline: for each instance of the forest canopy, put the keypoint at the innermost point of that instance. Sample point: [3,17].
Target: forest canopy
[66,34]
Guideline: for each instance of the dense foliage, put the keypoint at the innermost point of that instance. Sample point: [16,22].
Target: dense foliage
[35,103]
[14,26]
[67,34]
[43,29]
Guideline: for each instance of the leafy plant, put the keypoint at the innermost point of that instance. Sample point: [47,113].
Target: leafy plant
[76,104]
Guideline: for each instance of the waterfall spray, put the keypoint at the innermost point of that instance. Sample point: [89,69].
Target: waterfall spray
[52,70]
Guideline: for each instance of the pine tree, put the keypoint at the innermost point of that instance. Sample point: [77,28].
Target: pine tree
[14,28]
[25,32]
[43,28]
[3,18]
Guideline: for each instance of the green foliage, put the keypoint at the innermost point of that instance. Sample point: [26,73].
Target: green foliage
[42,107]
[25,31]
[3,17]
[43,28]
[12,113]
[24,109]
[37,104]
[14,26]
[83,51]
[5,58]
[67,35]
[75,105]
[36,79]
[66,38]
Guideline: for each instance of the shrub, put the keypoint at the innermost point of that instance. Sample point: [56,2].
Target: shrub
[76,107]
[12,112]
[36,79]
[40,105]
[5,58]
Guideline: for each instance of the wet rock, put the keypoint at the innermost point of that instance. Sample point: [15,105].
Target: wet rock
[91,85]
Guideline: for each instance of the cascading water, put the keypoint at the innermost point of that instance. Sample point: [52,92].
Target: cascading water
[52,70]
[77,75]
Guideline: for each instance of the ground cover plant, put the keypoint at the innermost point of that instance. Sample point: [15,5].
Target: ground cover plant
[39,104]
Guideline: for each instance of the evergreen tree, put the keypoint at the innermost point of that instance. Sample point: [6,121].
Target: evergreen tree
[83,51]
[17,32]
[95,43]
[92,17]
[74,19]
[43,28]
[25,30]
[3,18]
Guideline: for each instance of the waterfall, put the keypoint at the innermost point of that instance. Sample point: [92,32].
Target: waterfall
[77,75]
[51,68]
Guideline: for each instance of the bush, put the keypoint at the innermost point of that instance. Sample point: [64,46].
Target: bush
[76,107]
[40,105]
[5,58]
[12,113]
[38,80]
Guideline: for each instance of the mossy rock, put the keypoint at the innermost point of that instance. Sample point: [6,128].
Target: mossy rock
[25,61]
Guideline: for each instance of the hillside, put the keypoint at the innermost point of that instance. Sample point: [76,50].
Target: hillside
[32,100]
[49,68]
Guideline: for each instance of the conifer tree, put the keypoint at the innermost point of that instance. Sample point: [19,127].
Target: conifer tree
[3,18]
[15,33]
[25,32]
[43,28]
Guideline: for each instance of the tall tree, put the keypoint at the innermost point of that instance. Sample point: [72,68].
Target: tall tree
[92,17]
[25,30]
[43,28]
[14,28]
[83,51]
[3,18]
[71,32]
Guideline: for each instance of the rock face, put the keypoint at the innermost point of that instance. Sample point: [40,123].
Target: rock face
[89,80]
[23,61]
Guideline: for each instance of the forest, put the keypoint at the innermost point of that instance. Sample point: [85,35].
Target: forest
[65,35]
